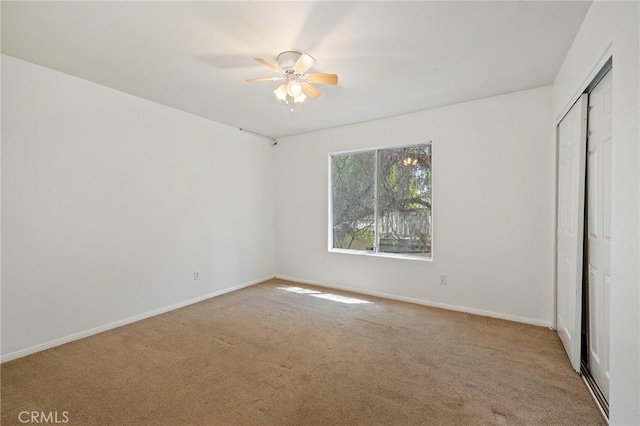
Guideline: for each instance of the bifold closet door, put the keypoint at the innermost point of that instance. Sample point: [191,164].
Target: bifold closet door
[572,144]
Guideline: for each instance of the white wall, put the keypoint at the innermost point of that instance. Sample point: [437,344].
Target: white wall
[110,202]
[612,27]
[493,190]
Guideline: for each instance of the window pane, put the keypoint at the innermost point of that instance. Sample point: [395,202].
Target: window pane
[404,205]
[353,200]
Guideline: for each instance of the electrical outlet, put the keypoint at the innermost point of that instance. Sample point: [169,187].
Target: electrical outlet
[196,275]
[443,279]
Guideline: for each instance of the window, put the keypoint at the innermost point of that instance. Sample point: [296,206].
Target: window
[381,201]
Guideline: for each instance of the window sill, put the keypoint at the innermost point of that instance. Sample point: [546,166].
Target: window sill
[378,254]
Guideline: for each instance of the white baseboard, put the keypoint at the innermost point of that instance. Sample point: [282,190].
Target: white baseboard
[120,323]
[116,324]
[457,308]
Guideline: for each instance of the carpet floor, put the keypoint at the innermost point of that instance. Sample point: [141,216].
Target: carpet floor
[281,353]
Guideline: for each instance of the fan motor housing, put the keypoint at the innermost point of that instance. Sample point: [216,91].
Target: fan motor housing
[287,59]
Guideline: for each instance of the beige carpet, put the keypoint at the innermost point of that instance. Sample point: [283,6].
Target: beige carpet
[267,356]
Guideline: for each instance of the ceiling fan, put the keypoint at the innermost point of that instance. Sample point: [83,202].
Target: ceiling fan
[292,65]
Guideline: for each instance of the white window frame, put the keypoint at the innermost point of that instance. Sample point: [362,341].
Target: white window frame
[375,252]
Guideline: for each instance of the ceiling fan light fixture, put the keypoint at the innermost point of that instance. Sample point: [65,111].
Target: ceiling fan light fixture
[293,88]
[292,67]
[281,92]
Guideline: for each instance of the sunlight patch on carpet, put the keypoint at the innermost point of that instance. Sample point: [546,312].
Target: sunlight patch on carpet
[322,295]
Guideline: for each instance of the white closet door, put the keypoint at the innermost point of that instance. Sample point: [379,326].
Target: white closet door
[599,230]
[572,143]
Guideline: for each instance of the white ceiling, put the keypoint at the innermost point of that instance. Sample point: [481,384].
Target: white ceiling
[391,57]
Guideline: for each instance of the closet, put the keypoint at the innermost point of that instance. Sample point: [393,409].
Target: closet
[583,234]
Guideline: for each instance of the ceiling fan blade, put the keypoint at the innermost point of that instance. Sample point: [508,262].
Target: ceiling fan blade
[322,78]
[304,62]
[267,64]
[257,80]
[310,91]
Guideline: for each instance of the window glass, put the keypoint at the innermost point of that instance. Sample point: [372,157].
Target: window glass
[381,200]
[404,200]
[353,192]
